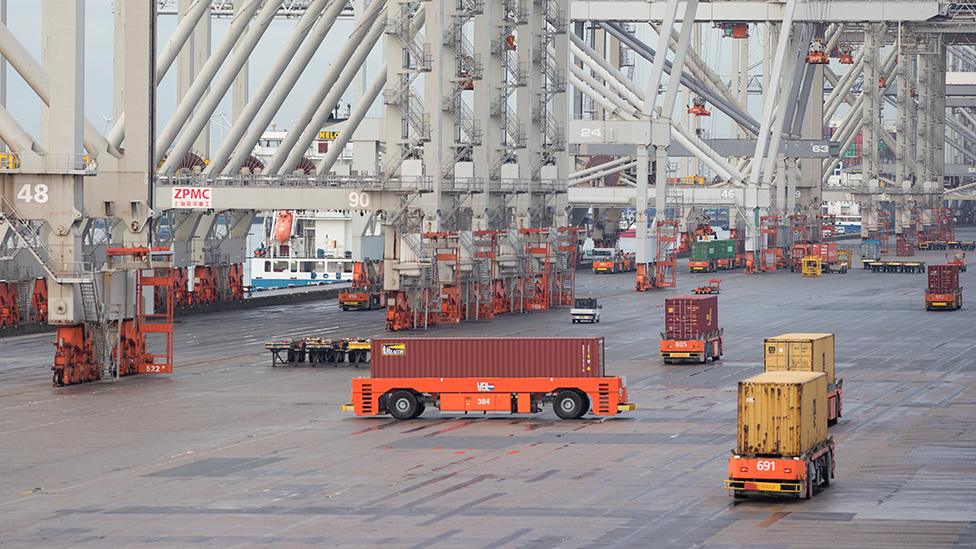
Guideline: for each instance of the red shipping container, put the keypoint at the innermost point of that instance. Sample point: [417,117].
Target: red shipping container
[826,251]
[690,317]
[943,279]
[454,357]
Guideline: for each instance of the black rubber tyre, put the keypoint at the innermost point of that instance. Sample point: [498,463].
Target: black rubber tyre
[811,472]
[568,405]
[402,405]
[738,494]
[827,467]
[420,410]
[586,405]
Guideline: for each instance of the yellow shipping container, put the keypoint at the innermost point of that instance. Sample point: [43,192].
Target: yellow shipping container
[782,413]
[801,352]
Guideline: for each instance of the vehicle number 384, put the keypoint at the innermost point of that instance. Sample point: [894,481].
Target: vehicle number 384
[765,465]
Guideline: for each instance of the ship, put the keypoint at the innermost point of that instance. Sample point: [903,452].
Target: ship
[301,248]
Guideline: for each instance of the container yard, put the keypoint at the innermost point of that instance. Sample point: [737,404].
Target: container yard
[284,273]
[228,450]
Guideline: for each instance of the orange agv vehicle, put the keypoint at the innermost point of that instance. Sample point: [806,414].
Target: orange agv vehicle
[691,332]
[366,291]
[608,260]
[782,443]
[512,375]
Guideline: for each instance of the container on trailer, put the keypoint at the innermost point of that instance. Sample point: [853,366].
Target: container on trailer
[871,249]
[724,249]
[826,251]
[689,317]
[782,413]
[801,352]
[702,250]
[448,357]
[943,279]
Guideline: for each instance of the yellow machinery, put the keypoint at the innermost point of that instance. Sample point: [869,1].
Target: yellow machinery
[812,265]
[9,161]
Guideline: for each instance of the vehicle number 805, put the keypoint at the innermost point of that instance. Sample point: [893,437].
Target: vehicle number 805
[765,465]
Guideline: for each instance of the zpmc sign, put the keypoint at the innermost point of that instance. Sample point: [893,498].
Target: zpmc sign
[192,197]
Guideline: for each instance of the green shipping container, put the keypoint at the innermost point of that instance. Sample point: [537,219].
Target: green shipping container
[724,249]
[702,250]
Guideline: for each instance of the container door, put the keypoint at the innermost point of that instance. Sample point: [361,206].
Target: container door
[776,356]
[800,356]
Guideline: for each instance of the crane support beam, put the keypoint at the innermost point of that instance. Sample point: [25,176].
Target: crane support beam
[750,11]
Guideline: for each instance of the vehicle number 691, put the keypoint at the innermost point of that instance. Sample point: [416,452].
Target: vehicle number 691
[765,465]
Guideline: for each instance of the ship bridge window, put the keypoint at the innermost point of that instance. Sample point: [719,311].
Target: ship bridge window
[313,267]
[267,266]
[294,266]
[280,266]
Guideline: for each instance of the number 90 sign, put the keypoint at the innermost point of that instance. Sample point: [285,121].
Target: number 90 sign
[358,199]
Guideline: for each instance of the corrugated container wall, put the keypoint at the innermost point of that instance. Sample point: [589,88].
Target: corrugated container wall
[487,357]
[690,317]
[724,249]
[943,279]
[827,252]
[701,250]
[782,413]
[801,353]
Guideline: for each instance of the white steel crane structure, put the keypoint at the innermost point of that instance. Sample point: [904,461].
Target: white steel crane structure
[488,110]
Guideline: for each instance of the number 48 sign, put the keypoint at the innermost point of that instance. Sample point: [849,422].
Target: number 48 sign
[33,194]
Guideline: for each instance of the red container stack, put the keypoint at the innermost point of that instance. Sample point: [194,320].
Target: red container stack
[449,357]
[943,279]
[690,317]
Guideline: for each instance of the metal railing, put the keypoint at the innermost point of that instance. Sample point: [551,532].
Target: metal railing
[49,163]
[366,182]
[466,184]
[514,185]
